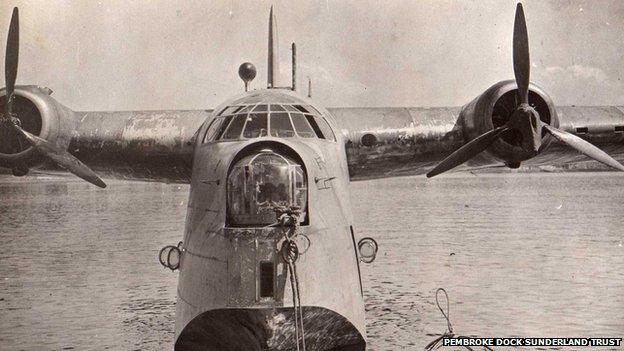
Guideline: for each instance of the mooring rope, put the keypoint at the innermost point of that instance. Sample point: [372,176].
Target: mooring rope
[449,332]
[294,265]
[290,253]
[294,296]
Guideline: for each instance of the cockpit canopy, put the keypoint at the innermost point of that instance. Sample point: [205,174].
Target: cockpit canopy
[248,121]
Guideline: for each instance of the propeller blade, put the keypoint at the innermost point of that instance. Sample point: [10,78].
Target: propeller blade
[16,143]
[61,157]
[584,147]
[521,60]
[468,151]
[10,60]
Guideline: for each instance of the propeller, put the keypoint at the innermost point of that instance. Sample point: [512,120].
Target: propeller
[524,118]
[584,147]
[468,151]
[521,59]
[10,123]
[10,61]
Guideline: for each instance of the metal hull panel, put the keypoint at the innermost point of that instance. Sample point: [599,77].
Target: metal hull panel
[268,329]
[219,267]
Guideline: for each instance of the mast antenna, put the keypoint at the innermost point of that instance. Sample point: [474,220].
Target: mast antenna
[294,67]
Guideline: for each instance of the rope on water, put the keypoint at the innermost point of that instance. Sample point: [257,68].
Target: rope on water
[446,315]
[437,343]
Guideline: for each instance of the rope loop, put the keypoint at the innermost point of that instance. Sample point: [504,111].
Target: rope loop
[288,218]
[289,251]
[446,315]
[449,333]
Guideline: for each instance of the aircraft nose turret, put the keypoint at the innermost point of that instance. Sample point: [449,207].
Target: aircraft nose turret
[261,183]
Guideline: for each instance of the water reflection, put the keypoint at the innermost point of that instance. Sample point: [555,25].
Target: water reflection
[525,255]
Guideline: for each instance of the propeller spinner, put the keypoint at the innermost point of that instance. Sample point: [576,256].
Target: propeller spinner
[525,118]
[10,126]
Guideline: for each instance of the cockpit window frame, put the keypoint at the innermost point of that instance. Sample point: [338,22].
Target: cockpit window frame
[263,132]
[277,108]
[287,122]
[301,108]
[223,127]
[247,109]
[208,137]
[306,134]
[234,123]
[261,108]
[230,110]
[327,125]
[230,113]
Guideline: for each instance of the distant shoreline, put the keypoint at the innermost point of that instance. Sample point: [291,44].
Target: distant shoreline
[7,177]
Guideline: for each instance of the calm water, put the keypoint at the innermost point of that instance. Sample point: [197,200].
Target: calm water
[520,255]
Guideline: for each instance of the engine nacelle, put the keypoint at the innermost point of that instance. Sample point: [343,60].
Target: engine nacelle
[40,115]
[493,109]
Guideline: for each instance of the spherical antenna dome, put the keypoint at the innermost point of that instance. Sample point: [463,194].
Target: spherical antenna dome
[247,72]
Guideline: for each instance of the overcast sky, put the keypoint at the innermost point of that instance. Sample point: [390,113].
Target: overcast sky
[127,55]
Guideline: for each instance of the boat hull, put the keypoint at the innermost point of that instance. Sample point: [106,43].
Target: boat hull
[269,329]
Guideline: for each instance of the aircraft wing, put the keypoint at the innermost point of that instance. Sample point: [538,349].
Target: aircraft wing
[138,145]
[389,142]
[392,141]
[380,142]
[602,126]
[513,122]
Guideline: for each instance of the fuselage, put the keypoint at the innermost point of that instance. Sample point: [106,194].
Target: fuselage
[257,155]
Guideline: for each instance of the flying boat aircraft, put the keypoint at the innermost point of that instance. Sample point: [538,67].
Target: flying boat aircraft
[270,258]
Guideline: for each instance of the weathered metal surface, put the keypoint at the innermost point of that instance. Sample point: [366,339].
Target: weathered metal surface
[601,122]
[388,142]
[220,264]
[252,246]
[407,141]
[268,329]
[157,145]
[140,145]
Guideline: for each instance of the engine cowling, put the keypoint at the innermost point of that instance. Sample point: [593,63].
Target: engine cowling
[493,109]
[515,120]
[40,115]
